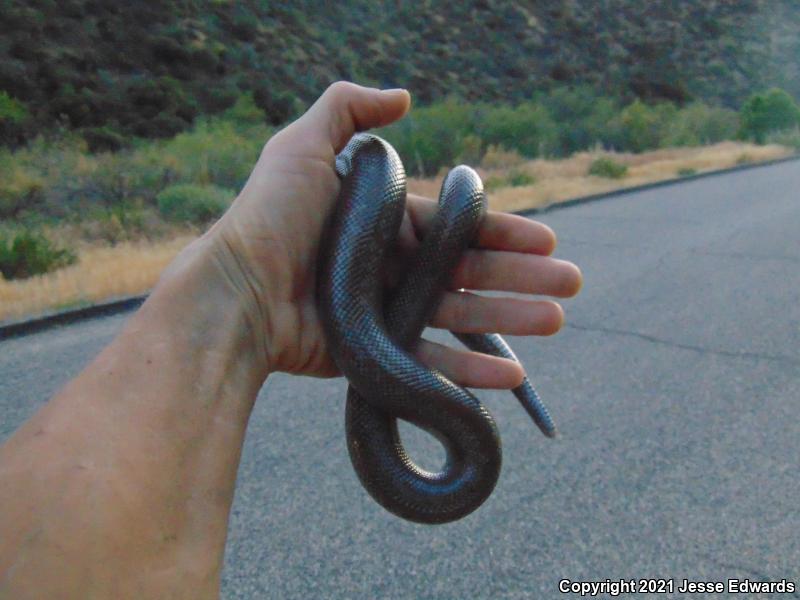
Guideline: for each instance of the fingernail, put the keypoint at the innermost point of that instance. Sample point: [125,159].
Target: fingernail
[396,93]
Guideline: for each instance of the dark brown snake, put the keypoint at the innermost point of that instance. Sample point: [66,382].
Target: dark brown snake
[372,338]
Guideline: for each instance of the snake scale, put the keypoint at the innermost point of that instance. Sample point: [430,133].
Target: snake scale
[372,334]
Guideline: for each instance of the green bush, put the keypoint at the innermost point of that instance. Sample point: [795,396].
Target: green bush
[787,137]
[520,178]
[193,203]
[527,128]
[11,111]
[472,150]
[698,124]
[582,117]
[770,111]
[445,133]
[607,167]
[63,171]
[432,137]
[686,172]
[87,173]
[514,178]
[278,107]
[13,116]
[216,151]
[20,189]
[59,177]
[118,223]
[245,112]
[27,253]
[103,139]
[494,182]
[162,106]
[641,127]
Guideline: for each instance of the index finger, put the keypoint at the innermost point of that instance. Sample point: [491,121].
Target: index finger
[499,231]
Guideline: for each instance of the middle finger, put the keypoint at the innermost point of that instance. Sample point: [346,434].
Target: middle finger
[464,312]
[517,272]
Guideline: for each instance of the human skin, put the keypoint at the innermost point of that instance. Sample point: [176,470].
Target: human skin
[121,485]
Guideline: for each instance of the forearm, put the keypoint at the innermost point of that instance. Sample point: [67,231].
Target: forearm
[143,447]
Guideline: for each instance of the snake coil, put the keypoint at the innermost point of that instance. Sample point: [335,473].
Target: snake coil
[372,338]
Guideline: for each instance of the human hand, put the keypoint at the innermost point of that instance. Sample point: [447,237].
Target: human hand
[269,242]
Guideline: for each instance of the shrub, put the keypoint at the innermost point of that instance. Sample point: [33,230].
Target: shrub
[117,223]
[278,107]
[432,137]
[103,139]
[520,178]
[514,178]
[13,117]
[787,137]
[582,117]
[495,182]
[686,172]
[20,190]
[49,176]
[116,178]
[607,167]
[216,152]
[699,123]
[58,177]
[245,112]
[770,111]
[11,111]
[471,150]
[193,203]
[215,99]
[160,107]
[497,157]
[527,128]
[27,253]
[641,127]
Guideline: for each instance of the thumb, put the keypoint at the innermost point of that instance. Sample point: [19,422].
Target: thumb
[344,109]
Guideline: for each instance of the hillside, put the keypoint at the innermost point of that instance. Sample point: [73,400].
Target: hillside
[115,69]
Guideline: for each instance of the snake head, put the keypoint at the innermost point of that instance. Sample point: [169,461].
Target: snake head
[344,165]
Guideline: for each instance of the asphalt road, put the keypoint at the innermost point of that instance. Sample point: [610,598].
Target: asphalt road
[675,384]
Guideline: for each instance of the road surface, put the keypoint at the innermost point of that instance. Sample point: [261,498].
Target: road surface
[675,384]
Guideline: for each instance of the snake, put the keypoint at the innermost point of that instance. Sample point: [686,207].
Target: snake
[372,332]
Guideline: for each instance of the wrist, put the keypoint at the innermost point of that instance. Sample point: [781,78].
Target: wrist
[206,295]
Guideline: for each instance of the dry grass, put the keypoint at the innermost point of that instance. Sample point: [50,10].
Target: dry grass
[101,273]
[559,180]
[127,268]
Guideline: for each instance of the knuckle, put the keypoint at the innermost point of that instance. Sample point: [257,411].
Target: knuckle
[427,353]
[470,267]
[340,89]
[462,310]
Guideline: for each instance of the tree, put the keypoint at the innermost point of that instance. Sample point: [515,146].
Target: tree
[769,111]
